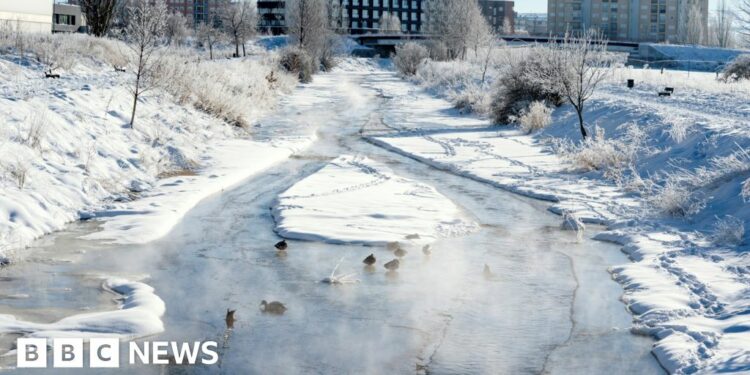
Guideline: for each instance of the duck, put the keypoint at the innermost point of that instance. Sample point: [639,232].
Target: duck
[414,236]
[273,307]
[370,260]
[393,246]
[392,265]
[230,318]
[426,250]
[400,253]
[281,245]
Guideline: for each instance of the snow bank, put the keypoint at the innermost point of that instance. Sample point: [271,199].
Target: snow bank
[685,288]
[139,315]
[66,149]
[357,200]
[158,210]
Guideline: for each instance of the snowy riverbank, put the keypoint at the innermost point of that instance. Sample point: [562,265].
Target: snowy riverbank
[687,286]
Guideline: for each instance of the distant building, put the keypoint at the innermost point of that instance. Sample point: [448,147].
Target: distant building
[271,17]
[26,15]
[363,16]
[67,19]
[633,20]
[196,11]
[499,14]
[532,23]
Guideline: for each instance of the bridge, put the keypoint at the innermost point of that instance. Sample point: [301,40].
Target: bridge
[385,44]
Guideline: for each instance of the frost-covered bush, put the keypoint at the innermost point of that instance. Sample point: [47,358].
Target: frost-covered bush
[738,69]
[728,230]
[516,90]
[409,56]
[598,153]
[437,50]
[673,199]
[538,116]
[296,61]
[472,99]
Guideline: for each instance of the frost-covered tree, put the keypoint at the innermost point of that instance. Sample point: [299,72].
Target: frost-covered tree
[308,26]
[146,23]
[722,25]
[691,28]
[99,14]
[743,21]
[390,23]
[209,36]
[454,22]
[176,30]
[239,20]
[574,68]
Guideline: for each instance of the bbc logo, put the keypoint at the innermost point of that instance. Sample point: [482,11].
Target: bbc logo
[68,353]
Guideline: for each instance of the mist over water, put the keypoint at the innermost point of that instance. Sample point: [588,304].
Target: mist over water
[550,306]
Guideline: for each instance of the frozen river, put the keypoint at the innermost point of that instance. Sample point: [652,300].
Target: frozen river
[550,307]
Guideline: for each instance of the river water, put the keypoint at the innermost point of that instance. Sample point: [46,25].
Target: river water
[550,306]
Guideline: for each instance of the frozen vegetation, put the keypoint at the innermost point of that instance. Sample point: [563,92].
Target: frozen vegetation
[669,177]
[68,152]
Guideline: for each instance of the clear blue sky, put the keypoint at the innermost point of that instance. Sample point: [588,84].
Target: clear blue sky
[540,6]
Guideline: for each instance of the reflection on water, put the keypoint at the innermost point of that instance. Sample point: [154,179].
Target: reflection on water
[436,314]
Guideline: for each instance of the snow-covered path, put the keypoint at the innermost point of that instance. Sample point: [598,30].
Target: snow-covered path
[549,298]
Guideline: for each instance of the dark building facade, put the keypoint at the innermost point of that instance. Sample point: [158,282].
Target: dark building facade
[195,10]
[363,16]
[499,14]
[271,17]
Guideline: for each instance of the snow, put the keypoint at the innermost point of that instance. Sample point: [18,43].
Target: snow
[138,315]
[685,289]
[354,199]
[66,152]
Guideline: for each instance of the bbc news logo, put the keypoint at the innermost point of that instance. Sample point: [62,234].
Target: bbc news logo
[105,353]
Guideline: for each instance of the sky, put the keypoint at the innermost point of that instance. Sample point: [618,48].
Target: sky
[540,6]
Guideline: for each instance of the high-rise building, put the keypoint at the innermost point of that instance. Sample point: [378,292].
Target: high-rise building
[363,16]
[634,20]
[271,16]
[499,14]
[531,23]
[196,10]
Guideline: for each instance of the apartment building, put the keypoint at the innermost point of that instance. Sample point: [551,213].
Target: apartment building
[67,18]
[196,10]
[534,24]
[26,15]
[633,20]
[271,17]
[363,16]
[499,14]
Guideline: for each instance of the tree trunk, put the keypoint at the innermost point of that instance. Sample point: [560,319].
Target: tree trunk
[211,51]
[243,49]
[584,134]
[132,114]
[236,47]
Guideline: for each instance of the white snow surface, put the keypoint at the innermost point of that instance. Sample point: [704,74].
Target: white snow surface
[138,315]
[689,292]
[354,199]
[69,140]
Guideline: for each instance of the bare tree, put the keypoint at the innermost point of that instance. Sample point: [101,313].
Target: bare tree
[722,25]
[146,22]
[239,20]
[210,35]
[176,29]
[98,15]
[691,25]
[307,23]
[453,22]
[574,68]
[743,20]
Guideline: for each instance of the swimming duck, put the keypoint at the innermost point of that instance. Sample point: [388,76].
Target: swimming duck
[230,318]
[400,253]
[392,265]
[370,260]
[393,246]
[281,246]
[426,250]
[273,307]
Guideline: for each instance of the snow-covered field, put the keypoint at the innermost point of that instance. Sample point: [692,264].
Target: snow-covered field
[357,200]
[689,285]
[67,152]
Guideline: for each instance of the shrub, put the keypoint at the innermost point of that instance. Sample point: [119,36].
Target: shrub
[472,99]
[296,61]
[515,91]
[538,116]
[437,50]
[409,56]
[597,153]
[673,199]
[728,231]
[738,69]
